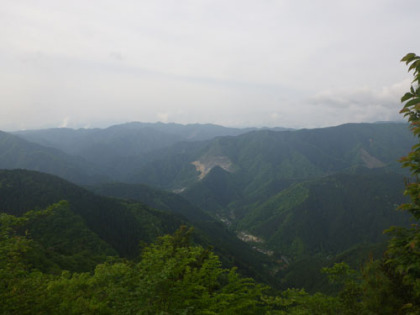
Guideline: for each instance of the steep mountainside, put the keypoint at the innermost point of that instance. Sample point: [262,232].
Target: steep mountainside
[328,215]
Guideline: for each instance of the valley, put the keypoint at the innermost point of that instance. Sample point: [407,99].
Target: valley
[261,197]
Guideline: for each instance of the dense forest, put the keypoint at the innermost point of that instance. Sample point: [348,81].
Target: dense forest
[134,220]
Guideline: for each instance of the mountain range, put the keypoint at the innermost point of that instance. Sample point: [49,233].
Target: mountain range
[293,195]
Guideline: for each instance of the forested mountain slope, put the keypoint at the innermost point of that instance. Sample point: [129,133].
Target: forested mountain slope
[258,157]
[290,194]
[231,250]
[328,215]
[165,156]
[109,225]
[121,225]
[295,194]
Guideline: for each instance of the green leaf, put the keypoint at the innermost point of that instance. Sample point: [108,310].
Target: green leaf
[414,65]
[407,58]
[414,101]
[407,96]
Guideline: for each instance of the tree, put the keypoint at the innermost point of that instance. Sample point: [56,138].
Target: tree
[403,253]
[174,277]
[171,277]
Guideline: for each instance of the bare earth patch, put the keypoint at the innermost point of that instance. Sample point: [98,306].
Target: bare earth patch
[205,164]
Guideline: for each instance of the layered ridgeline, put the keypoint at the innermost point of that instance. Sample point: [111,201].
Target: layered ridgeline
[121,148]
[88,227]
[296,196]
[257,158]
[173,156]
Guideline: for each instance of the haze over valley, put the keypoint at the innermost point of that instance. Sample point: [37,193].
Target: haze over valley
[209,157]
[291,196]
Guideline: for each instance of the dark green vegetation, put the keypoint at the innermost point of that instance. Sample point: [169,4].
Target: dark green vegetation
[328,215]
[121,225]
[305,199]
[231,250]
[92,221]
[307,226]
[301,198]
[171,277]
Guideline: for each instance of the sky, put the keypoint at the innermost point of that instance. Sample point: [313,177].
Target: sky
[239,63]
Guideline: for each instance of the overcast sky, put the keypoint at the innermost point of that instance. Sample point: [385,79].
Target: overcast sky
[290,63]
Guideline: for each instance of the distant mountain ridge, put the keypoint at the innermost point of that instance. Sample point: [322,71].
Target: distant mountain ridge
[118,148]
[139,137]
[269,155]
[294,194]
[139,152]
[16,152]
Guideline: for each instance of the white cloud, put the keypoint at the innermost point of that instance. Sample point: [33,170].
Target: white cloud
[362,104]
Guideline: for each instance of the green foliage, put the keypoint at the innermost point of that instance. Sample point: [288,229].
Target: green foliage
[122,225]
[403,253]
[19,286]
[208,231]
[299,302]
[171,277]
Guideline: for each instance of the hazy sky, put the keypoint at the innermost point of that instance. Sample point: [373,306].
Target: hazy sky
[291,63]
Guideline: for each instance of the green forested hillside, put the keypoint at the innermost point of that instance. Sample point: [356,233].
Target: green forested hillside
[66,242]
[317,195]
[120,224]
[171,276]
[261,156]
[154,154]
[155,198]
[230,249]
[328,215]
[310,224]
[299,193]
